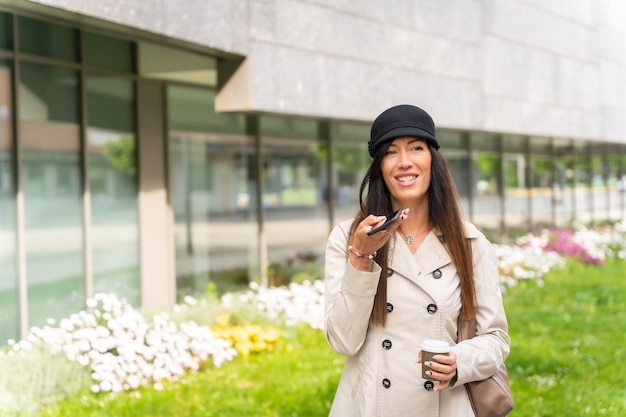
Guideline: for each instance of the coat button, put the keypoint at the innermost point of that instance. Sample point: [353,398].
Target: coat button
[386,344]
[436,274]
[390,272]
[389,307]
[429,385]
[432,309]
[387,383]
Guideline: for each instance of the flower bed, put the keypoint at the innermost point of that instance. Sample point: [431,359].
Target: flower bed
[124,350]
[532,256]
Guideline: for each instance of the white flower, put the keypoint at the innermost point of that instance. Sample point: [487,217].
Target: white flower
[227,300]
[189,300]
[127,350]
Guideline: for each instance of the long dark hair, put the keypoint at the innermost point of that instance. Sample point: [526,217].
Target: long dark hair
[444,214]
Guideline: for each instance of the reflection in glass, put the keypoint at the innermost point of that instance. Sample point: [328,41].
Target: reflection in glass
[350,162]
[8,282]
[111,147]
[47,39]
[564,183]
[454,149]
[487,182]
[294,180]
[6,31]
[582,178]
[599,184]
[50,143]
[516,213]
[212,170]
[617,181]
[611,168]
[621,183]
[106,52]
[541,181]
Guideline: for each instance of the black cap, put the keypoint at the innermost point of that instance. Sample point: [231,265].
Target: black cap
[402,120]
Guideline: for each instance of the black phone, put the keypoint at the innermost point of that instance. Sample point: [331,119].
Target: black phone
[390,220]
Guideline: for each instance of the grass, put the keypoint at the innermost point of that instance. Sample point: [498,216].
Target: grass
[567,359]
[567,356]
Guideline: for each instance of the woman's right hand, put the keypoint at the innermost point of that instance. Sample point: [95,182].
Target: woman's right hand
[364,245]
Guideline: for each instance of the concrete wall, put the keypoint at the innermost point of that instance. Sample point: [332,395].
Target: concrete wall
[218,24]
[555,68]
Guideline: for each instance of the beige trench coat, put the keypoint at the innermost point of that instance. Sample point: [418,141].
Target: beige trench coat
[381,376]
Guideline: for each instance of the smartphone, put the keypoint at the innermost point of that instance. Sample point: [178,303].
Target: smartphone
[390,220]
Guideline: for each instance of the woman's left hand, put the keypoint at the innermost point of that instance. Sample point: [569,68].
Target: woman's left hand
[442,369]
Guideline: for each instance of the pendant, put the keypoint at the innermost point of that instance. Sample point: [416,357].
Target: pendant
[409,239]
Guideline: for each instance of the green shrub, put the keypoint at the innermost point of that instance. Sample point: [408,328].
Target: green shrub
[35,378]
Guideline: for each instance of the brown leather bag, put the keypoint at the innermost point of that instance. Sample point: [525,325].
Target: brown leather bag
[491,397]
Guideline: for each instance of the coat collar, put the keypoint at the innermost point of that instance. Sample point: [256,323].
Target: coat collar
[431,254]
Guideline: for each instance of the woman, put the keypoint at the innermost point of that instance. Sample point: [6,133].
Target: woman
[387,292]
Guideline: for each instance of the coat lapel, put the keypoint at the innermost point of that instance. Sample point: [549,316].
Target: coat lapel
[430,256]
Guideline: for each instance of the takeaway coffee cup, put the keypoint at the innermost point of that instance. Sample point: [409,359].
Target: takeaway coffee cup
[431,348]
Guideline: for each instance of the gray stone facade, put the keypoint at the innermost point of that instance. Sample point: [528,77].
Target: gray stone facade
[552,68]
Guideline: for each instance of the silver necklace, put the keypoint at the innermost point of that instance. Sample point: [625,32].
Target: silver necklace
[410,238]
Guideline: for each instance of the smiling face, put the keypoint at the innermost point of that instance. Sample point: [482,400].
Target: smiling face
[406,171]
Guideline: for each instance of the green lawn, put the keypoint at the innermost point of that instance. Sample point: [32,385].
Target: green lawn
[567,360]
[568,356]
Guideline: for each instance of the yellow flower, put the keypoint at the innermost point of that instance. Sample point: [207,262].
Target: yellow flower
[222,320]
[246,339]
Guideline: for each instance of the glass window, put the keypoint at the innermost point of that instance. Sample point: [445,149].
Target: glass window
[516,193]
[451,139]
[50,145]
[454,148]
[6,31]
[47,39]
[487,182]
[582,179]
[614,156]
[294,180]
[620,184]
[541,180]
[9,322]
[350,162]
[564,185]
[212,175]
[598,183]
[112,167]
[106,52]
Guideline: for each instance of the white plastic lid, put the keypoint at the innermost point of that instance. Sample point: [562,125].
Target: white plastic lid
[435,346]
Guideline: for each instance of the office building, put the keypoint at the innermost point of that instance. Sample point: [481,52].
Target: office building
[149,148]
